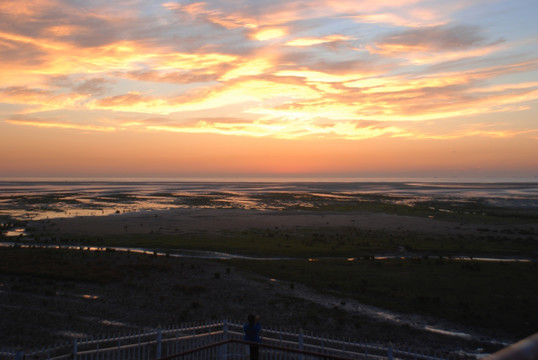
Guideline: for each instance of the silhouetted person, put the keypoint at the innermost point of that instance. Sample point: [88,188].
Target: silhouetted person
[252,331]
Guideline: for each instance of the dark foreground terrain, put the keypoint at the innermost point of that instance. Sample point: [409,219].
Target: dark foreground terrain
[365,270]
[50,295]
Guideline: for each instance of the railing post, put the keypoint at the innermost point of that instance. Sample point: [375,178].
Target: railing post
[223,353]
[389,355]
[19,355]
[75,349]
[301,343]
[159,342]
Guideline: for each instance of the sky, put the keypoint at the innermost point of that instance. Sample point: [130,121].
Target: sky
[272,89]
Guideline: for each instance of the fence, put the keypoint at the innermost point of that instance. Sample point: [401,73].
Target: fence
[217,340]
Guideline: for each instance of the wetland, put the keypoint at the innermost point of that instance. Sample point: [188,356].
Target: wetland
[399,262]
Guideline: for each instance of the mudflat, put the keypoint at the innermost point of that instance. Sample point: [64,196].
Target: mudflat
[174,221]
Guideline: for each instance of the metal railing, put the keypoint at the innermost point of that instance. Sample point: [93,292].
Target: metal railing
[237,349]
[224,340]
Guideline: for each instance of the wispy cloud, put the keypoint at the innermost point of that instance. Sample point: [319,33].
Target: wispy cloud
[58,123]
[262,68]
[309,41]
[39,99]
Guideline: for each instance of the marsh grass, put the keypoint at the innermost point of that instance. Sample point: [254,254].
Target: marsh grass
[494,295]
[325,242]
[491,295]
[499,297]
[57,264]
[472,211]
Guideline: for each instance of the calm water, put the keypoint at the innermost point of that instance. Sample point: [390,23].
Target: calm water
[49,199]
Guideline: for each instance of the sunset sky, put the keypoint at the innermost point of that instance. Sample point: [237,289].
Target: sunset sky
[272,89]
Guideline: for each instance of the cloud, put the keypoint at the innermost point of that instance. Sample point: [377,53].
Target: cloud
[335,69]
[15,8]
[310,41]
[200,10]
[132,101]
[408,14]
[177,77]
[273,128]
[440,38]
[475,130]
[319,76]
[20,54]
[249,91]
[63,22]
[249,67]
[57,123]
[269,33]
[435,44]
[93,86]
[393,18]
[40,99]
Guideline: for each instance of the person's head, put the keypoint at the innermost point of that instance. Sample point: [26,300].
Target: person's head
[251,318]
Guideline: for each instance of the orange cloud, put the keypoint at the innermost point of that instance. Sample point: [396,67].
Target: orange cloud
[431,44]
[241,92]
[310,41]
[249,67]
[393,18]
[319,76]
[269,33]
[26,8]
[45,123]
[39,99]
[262,64]
[281,130]
[476,130]
[222,18]
[62,58]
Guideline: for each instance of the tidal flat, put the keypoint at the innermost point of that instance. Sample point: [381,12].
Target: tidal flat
[392,262]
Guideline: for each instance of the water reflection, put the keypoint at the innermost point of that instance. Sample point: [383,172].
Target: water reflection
[203,254]
[42,200]
[15,232]
[177,253]
[448,332]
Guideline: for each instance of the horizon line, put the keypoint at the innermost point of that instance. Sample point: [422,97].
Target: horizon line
[276,179]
